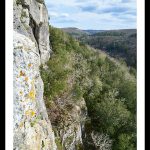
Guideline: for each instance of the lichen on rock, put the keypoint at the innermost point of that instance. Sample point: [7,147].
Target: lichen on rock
[32,128]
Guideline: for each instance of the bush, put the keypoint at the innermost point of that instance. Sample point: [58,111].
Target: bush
[125,142]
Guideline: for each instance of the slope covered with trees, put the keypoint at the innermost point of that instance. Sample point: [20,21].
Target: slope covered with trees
[106,85]
[117,43]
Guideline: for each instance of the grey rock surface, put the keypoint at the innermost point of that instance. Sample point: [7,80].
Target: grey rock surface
[31,20]
[32,128]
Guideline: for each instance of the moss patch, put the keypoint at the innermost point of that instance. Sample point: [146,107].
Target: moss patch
[58,143]
[43,145]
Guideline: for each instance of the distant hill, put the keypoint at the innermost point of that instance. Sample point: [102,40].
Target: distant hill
[93,31]
[78,32]
[74,31]
[120,44]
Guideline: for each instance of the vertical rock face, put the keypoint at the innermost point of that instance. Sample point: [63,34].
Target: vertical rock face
[68,119]
[73,126]
[32,128]
[31,20]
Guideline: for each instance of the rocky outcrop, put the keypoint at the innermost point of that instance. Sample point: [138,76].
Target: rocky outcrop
[32,128]
[31,20]
[68,119]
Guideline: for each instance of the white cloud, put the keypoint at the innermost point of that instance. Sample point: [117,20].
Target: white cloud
[53,14]
[56,15]
[103,13]
[64,15]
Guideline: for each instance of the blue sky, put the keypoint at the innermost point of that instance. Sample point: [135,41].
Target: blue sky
[92,14]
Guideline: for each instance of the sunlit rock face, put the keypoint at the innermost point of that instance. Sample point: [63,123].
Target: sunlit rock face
[31,20]
[32,128]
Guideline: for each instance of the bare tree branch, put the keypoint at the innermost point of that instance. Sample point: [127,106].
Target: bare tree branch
[101,141]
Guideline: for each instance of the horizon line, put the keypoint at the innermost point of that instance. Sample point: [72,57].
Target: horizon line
[96,29]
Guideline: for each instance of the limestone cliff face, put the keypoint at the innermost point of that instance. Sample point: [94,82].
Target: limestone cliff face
[32,128]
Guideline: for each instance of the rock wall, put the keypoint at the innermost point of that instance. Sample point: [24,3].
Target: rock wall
[32,128]
[68,118]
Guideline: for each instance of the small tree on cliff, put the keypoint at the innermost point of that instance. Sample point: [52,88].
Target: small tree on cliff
[101,141]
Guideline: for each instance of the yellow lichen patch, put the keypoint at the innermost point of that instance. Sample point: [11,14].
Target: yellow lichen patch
[27,100]
[25,48]
[29,65]
[32,82]
[32,94]
[26,79]
[21,125]
[30,113]
[22,73]
[21,92]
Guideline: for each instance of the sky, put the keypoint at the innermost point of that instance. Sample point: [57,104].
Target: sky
[92,14]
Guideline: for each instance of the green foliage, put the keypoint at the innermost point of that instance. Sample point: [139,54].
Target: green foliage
[77,92]
[127,89]
[23,14]
[112,113]
[58,143]
[43,144]
[133,71]
[118,43]
[18,2]
[79,147]
[54,78]
[107,86]
[125,142]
